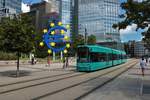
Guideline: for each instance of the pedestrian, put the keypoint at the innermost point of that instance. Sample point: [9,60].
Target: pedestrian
[48,61]
[64,62]
[146,60]
[35,60]
[32,60]
[67,64]
[142,65]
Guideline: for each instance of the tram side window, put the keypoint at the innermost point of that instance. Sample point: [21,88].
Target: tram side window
[115,57]
[102,57]
[121,56]
[124,57]
[118,56]
[98,57]
[109,56]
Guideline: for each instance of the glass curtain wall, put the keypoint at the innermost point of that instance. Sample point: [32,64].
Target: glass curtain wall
[13,4]
[98,16]
[66,13]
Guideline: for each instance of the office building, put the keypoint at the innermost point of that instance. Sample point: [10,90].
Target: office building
[139,0]
[10,7]
[54,5]
[64,9]
[97,17]
[74,18]
[58,9]
[43,12]
[65,13]
[140,50]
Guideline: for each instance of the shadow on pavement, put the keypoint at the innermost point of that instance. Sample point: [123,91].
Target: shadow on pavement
[146,89]
[138,74]
[139,68]
[12,73]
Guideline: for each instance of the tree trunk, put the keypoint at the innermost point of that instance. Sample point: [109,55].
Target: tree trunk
[17,72]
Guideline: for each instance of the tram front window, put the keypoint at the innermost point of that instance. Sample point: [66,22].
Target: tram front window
[82,54]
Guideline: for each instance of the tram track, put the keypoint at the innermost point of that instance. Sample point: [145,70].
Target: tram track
[104,83]
[35,83]
[47,81]
[83,82]
[34,79]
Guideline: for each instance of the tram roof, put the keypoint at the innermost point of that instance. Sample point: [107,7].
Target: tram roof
[98,48]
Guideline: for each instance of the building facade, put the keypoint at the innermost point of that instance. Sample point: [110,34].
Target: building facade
[140,50]
[65,13]
[139,0]
[74,18]
[55,5]
[10,7]
[98,16]
[43,12]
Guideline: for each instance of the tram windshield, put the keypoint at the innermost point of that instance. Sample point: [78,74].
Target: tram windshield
[83,54]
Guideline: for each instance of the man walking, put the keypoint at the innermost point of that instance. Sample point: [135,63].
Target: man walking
[142,65]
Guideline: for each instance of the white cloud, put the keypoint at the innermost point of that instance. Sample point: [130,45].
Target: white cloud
[46,0]
[147,27]
[130,33]
[129,30]
[25,8]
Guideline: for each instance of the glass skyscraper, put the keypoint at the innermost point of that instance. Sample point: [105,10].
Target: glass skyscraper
[64,7]
[9,7]
[65,12]
[1,3]
[98,16]
[14,6]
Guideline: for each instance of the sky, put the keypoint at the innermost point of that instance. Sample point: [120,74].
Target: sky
[33,1]
[127,34]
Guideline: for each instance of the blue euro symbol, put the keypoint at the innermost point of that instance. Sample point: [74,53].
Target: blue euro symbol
[57,38]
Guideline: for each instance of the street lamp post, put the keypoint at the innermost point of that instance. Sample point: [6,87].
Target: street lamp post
[85,36]
[85,33]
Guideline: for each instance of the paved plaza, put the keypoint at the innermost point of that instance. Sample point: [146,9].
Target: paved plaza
[28,71]
[125,87]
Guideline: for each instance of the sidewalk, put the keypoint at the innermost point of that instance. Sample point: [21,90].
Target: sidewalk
[28,62]
[27,72]
[126,87]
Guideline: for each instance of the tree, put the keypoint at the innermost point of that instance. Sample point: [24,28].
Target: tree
[136,13]
[17,35]
[92,39]
[79,40]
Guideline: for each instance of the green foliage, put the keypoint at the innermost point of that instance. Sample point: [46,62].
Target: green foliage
[7,56]
[77,39]
[146,39]
[137,13]
[92,39]
[41,52]
[17,34]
